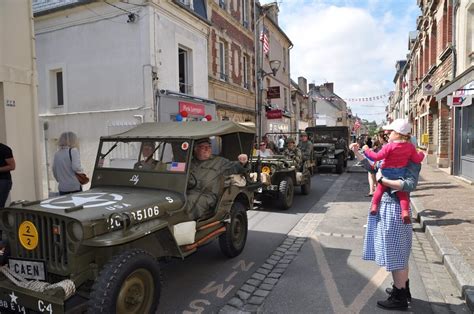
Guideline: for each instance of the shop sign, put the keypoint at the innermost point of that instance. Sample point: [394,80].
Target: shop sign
[274,114]
[191,108]
[459,101]
[273,92]
[428,89]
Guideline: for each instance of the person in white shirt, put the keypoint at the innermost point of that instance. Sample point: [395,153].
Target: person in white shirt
[263,151]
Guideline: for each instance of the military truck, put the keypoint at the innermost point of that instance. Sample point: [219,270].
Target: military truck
[98,250]
[279,175]
[330,146]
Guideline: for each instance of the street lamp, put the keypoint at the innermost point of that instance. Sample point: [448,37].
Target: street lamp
[274,66]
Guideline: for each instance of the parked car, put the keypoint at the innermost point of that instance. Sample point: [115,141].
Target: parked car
[97,250]
[330,146]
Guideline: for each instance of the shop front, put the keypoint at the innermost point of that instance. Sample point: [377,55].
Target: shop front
[459,94]
[173,106]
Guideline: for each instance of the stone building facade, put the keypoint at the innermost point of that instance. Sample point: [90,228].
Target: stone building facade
[232,59]
[429,66]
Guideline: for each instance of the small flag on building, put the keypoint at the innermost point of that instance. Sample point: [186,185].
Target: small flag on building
[356,125]
[265,41]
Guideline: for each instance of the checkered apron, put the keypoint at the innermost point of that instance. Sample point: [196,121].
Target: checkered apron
[387,239]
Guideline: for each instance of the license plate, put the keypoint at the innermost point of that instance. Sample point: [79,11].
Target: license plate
[28,269]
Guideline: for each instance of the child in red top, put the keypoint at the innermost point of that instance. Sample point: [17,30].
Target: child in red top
[396,155]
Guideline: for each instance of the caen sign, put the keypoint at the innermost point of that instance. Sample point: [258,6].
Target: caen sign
[274,114]
[273,92]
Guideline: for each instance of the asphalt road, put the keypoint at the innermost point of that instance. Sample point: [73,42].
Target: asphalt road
[206,280]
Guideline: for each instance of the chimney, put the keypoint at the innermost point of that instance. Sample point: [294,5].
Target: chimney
[303,84]
[330,87]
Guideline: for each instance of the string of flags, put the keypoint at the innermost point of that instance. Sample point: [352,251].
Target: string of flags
[372,98]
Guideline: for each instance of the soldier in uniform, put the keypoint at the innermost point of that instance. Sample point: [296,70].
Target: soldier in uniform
[293,152]
[207,172]
[306,146]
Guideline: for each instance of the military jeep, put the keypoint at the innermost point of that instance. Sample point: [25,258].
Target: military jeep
[330,146]
[279,175]
[98,250]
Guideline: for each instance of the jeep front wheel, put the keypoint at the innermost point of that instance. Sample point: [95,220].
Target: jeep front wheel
[232,241]
[286,190]
[128,283]
[340,164]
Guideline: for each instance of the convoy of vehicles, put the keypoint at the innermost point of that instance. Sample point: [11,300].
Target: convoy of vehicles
[98,250]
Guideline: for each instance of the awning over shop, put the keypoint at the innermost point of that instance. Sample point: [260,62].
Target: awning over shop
[462,80]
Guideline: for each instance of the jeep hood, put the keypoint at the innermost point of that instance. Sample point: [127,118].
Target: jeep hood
[99,203]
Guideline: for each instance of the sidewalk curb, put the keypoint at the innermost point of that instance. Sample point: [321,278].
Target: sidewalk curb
[459,270]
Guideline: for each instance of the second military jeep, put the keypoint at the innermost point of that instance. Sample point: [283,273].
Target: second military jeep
[97,250]
[330,146]
[279,175]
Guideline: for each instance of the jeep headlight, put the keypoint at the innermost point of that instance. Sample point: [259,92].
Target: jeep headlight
[76,233]
[8,220]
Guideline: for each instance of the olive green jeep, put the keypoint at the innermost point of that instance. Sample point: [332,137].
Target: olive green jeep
[98,250]
[279,175]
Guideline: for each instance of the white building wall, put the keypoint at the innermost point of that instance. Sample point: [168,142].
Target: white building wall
[108,67]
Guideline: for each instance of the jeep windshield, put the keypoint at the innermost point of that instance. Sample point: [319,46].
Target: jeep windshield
[326,136]
[144,155]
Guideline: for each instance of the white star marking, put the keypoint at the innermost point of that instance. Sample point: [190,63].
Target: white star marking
[13,297]
[80,200]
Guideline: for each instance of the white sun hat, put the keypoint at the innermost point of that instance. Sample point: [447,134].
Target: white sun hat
[401,126]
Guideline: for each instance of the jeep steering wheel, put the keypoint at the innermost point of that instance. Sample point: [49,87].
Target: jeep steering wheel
[192,181]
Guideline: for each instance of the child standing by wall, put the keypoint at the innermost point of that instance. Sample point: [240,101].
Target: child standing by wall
[396,155]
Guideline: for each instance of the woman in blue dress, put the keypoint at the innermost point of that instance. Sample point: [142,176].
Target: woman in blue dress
[387,239]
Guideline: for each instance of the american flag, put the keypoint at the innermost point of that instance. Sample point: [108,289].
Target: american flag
[264,40]
[177,166]
[356,125]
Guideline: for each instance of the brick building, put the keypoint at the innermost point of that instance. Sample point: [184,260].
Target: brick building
[232,59]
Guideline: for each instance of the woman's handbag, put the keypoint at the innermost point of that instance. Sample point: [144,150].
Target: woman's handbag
[81,177]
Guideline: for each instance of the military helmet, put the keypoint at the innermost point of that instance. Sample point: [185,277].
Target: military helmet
[290,140]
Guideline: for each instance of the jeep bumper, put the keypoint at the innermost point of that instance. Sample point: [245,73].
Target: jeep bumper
[14,299]
[328,162]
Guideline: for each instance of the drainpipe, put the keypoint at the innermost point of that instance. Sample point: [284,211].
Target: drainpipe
[453,125]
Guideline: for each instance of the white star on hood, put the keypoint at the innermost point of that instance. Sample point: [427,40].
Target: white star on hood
[13,297]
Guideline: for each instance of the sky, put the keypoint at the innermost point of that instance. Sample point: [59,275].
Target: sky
[352,43]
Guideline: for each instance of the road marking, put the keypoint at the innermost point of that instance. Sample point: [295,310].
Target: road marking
[229,278]
[331,287]
[370,288]
[335,298]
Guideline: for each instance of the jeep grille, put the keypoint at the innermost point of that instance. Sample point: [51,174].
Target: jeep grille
[51,248]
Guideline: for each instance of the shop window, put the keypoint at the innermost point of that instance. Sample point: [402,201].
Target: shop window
[468,131]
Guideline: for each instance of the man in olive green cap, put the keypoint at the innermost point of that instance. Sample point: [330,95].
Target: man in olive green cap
[306,146]
[205,178]
[293,152]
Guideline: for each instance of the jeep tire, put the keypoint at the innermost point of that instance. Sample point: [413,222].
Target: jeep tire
[306,187]
[340,164]
[128,283]
[232,241]
[286,190]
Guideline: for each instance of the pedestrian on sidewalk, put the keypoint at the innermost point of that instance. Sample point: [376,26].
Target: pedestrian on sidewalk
[387,239]
[7,164]
[66,163]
